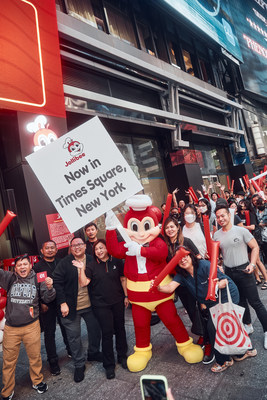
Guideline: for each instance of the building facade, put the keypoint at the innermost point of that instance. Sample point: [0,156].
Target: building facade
[169,91]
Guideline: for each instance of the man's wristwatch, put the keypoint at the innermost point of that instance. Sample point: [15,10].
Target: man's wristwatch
[253,265]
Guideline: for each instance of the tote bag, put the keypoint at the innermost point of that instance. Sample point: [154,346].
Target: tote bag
[231,336]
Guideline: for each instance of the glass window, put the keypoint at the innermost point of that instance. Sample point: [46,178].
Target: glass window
[174,53]
[188,62]
[120,25]
[205,71]
[146,40]
[213,159]
[143,156]
[81,9]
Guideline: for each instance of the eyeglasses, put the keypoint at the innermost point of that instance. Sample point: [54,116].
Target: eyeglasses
[74,246]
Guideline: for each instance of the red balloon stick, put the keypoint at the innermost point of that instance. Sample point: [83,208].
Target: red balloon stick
[181,253]
[167,211]
[206,224]
[213,270]
[6,221]
[247,217]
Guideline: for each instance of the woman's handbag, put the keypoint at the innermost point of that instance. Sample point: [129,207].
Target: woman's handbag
[231,336]
[198,321]
[199,324]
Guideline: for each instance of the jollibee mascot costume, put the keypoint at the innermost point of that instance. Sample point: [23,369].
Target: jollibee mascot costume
[145,257]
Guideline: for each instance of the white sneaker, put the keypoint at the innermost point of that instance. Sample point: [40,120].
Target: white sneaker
[265,340]
[249,329]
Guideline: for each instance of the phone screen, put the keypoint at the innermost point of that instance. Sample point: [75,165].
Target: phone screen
[154,389]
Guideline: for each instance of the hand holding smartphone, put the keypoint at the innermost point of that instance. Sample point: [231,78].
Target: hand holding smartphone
[154,387]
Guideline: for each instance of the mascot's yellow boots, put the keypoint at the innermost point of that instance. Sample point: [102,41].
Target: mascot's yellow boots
[192,353]
[139,359]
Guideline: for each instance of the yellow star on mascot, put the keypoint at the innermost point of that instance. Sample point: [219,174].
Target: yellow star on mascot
[145,257]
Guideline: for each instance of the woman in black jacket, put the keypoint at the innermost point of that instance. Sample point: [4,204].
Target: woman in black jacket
[108,296]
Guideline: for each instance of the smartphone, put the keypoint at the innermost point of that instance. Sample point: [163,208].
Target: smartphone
[153,387]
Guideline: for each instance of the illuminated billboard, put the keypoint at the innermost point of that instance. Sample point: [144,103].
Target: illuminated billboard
[250,19]
[214,18]
[30,69]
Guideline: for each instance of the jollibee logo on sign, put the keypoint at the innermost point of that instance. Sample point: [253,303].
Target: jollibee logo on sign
[75,148]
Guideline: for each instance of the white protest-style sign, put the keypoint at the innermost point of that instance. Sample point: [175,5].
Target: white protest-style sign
[84,174]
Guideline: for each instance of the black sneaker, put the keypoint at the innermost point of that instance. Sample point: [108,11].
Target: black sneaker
[208,354]
[123,362]
[110,373]
[9,397]
[79,374]
[54,368]
[41,387]
[95,356]
[208,359]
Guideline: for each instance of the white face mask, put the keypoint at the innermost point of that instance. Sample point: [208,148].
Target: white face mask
[203,209]
[190,218]
[237,199]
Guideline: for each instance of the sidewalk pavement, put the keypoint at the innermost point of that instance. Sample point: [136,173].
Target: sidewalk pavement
[245,380]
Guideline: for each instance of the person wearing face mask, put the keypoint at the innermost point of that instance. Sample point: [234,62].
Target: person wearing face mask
[175,213]
[205,209]
[193,230]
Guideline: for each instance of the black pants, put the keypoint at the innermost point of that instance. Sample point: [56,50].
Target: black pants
[263,248]
[248,292]
[187,299]
[48,322]
[111,320]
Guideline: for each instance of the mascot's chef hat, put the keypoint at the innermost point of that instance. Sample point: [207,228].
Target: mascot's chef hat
[140,207]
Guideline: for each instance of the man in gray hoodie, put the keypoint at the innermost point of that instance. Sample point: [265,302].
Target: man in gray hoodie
[22,322]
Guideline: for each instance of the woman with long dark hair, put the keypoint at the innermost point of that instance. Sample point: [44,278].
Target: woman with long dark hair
[193,230]
[194,274]
[108,296]
[205,209]
[174,238]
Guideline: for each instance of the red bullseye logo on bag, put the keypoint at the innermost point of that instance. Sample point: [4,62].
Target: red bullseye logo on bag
[41,276]
[75,149]
[229,332]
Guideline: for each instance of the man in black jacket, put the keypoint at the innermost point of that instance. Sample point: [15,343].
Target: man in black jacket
[74,303]
[48,314]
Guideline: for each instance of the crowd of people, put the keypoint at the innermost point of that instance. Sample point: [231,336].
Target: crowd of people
[89,284]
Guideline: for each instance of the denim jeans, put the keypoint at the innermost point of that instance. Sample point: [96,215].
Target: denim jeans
[73,330]
[248,294]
